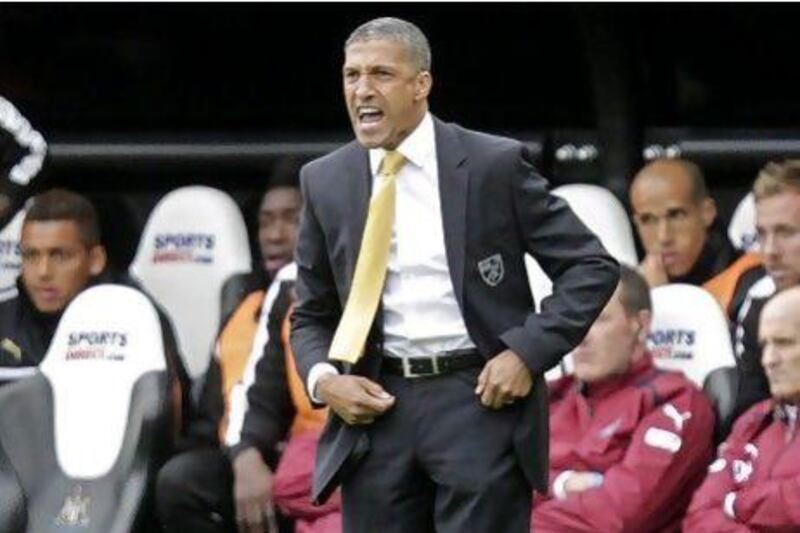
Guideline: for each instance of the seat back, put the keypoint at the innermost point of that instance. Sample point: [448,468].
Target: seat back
[604,215]
[194,240]
[108,338]
[10,257]
[84,435]
[689,332]
[720,387]
[742,227]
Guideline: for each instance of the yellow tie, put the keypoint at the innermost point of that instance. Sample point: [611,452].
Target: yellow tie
[373,260]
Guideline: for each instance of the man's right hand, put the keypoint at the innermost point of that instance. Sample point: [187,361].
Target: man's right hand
[355,399]
[652,269]
[252,493]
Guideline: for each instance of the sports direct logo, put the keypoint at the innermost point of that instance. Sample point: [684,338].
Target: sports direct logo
[96,345]
[672,343]
[184,248]
[10,255]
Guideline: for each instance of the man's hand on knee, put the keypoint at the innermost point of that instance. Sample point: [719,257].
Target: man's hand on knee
[252,493]
[504,379]
[355,399]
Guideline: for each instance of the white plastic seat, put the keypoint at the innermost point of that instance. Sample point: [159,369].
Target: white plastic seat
[689,332]
[84,434]
[194,240]
[742,227]
[602,213]
[10,257]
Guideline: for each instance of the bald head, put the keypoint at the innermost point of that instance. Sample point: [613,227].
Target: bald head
[779,334]
[784,306]
[677,171]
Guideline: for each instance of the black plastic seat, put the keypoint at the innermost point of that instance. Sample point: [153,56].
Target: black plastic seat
[81,440]
[720,387]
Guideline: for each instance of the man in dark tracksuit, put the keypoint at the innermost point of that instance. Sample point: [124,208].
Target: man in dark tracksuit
[61,255]
[197,491]
[777,194]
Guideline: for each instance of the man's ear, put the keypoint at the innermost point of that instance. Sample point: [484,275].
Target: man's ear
[424,83]
[97,259]
[645,320]
[708,210]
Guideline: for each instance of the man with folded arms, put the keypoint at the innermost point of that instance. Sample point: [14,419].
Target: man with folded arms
[754,485]
[628,442]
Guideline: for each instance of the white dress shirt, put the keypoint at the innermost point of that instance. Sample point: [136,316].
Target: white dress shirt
[420,310]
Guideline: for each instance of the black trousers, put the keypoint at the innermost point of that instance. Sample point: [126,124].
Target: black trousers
[194,494]
[439,461]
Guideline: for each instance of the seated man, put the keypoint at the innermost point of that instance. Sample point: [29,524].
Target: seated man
[628,442]
[754,485]
[277,219]
[777,194]
[61,255]
[675,219]
[211,490]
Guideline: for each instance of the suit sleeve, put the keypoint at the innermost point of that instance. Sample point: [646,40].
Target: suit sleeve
[584,275]
[652,479]
[318,310]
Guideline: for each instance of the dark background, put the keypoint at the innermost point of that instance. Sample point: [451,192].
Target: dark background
[620,77]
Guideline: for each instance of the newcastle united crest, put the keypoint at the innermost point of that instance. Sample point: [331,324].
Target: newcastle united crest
[75,511]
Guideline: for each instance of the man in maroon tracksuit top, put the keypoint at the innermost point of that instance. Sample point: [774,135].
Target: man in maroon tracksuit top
[628,442]
[754,485]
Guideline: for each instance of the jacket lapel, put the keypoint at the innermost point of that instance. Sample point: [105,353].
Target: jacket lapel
[453,185]
[360,179]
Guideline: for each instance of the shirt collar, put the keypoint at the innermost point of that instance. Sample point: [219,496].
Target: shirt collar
[415,148]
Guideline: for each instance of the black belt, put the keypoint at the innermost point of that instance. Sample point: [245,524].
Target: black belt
[424,367]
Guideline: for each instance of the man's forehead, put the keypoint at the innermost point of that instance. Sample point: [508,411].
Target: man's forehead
[63,231]
[280,198]
[784,206]
[778,326]
[374,52]
[662,194]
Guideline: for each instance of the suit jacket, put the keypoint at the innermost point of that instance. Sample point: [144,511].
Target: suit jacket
[495,208]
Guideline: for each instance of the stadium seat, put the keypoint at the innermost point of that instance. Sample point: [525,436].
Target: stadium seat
[720,387]
[194,241]
[10,259]
[742,227]
[605,216]
[81,439]
[689,332]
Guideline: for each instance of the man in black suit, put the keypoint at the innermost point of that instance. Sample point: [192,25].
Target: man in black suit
[441,425]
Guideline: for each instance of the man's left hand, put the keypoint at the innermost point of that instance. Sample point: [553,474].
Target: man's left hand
[504,379]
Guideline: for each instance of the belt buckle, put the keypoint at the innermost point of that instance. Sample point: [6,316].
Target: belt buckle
[408,373]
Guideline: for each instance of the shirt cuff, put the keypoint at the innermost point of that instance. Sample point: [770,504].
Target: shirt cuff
[317,371]
[727,505]
[559,482]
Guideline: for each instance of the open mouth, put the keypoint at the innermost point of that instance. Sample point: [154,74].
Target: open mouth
[369,115]
[274,262]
